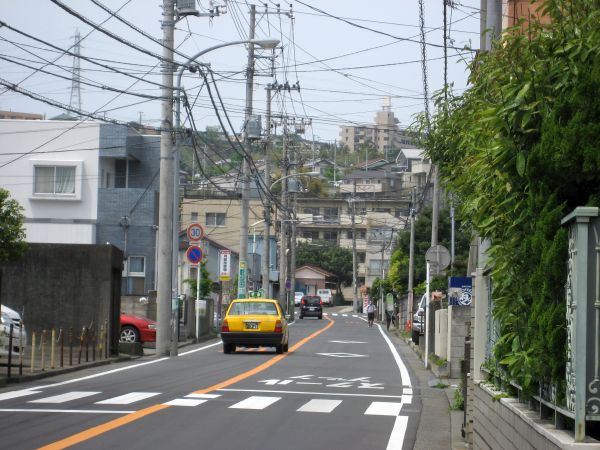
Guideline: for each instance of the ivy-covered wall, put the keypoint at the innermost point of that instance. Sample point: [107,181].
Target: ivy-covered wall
[519,150]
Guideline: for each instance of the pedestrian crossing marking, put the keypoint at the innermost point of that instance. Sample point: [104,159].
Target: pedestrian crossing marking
[127,399]
[320,406]
[206,396]
[185,402]
[383,409]
[62,398]
[16,394]
[255,402]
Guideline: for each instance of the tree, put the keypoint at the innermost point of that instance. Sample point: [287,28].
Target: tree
[329,257]
[205,282]
[520,150]
[398,273]
[12,233]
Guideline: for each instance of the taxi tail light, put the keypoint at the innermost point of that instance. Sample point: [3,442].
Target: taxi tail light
[320,302]
[278,327]
[303,302]
[225,326]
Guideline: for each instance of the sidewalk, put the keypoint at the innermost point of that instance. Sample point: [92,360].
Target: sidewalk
[440,427]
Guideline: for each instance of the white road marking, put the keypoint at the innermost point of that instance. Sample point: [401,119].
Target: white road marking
[307,382]
[17,394]
[354,315]
[199,349]
[407,389]
[320,406]
[302,377]
[255,402]
[265,391]
[62,398]
[334,314]
[397,437]
[344,315]
[383,409]
[344,355]
[269,382]
[75,411]
[185,402]
[206,396]
[349,342]
[127,399]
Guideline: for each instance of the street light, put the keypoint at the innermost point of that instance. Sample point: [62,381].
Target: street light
[169,213]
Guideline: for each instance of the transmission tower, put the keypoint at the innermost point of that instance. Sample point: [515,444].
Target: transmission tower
[75,100]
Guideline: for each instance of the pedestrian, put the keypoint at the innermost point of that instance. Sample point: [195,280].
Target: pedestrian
[388,319]
[371,308]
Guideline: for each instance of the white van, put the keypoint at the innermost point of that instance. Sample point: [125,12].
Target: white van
[326,296]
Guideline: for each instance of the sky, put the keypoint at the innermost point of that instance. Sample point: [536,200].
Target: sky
[346,56]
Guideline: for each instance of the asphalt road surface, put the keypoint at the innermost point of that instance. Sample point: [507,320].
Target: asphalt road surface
[341,386]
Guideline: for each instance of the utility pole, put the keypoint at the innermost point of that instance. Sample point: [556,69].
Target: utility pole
[411,259]
[266,260]
[293,260]
[435,207]
[354,258]
[245,203]
[283,226]
[165,221]
[493,22]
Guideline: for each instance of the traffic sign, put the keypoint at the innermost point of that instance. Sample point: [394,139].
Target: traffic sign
[195,232]
[438,258]
[194,254]
[224,265]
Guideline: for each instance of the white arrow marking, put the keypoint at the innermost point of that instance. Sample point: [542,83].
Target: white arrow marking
[269,382]
[343,355]
[371,386]
[342,385]
[303,377]
[286,381]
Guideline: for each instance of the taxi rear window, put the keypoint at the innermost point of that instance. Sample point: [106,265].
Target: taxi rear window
[249,308]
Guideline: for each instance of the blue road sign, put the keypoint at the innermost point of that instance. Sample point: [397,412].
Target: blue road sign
[194,254]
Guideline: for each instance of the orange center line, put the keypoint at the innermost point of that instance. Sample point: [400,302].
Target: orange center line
[121,421]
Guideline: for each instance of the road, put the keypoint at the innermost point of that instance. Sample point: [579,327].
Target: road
[342,385]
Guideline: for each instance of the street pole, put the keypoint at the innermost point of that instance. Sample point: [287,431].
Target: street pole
[411,260]
[292,297]
[197,308]
[354,258]
[165,220]
[266,260]
[283,226]
[245,203]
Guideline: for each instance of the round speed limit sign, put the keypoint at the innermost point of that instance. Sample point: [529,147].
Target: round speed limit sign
[195,232]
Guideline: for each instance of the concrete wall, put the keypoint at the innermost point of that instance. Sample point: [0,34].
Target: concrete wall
[457,317]
[507,424]
[65,285]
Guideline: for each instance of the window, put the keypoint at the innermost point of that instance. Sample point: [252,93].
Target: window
[215,219]
[55,180]
[194,217]
[313,211]
[136,266]
[314,235]
[331,236]
[360,256]
[349,234]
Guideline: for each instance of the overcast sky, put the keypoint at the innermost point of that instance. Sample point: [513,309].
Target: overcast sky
[344,71]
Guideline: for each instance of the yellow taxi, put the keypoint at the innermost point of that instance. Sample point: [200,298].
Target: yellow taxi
[254,322]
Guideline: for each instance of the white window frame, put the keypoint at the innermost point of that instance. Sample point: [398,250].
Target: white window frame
[78,165]
[216,215]
[127,265]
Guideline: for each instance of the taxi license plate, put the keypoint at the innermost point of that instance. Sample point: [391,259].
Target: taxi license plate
[251,325]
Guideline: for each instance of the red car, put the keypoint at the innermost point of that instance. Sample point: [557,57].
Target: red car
[137,329]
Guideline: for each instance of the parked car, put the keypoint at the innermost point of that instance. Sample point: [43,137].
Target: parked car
[326,296]
[137,329]
[418,317]
[298,297]
[254,322]
[18,339]
[16,320]
[311,306]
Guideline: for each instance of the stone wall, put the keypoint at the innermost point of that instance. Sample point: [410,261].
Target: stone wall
[505,423]
[458,316]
